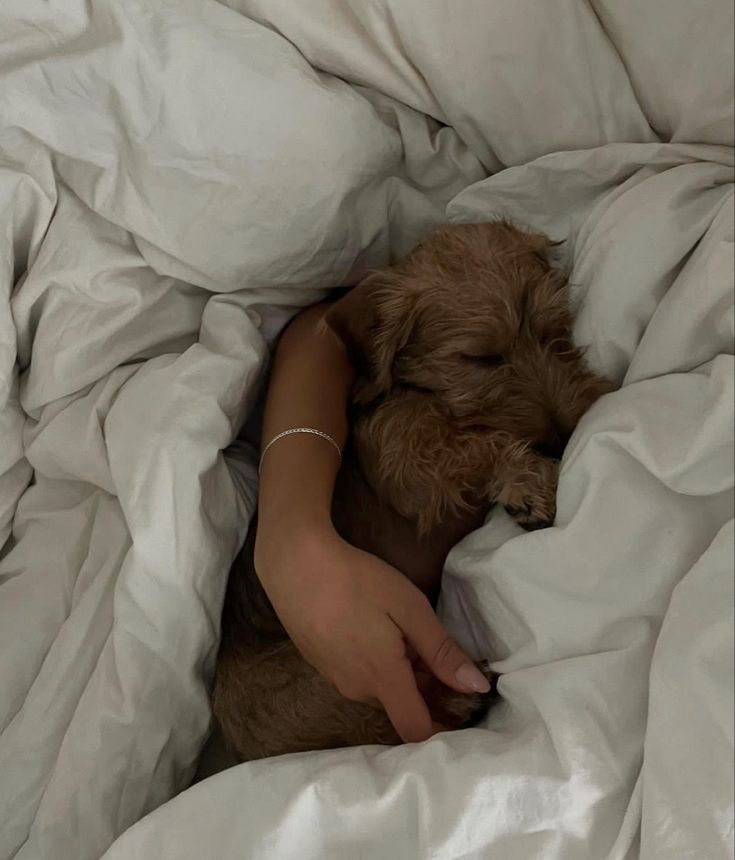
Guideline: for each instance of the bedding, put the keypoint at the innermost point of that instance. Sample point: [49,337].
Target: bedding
[177,179]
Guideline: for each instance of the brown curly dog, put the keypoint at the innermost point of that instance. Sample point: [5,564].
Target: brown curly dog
[468,388]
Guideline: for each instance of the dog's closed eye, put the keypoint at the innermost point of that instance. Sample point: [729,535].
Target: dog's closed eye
[489,360]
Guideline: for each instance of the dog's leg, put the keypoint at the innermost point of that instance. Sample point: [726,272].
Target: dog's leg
[272,702]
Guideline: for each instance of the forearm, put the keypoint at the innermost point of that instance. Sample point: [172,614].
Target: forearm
[309,387]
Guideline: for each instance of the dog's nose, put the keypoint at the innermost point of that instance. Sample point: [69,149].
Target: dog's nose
[553,443]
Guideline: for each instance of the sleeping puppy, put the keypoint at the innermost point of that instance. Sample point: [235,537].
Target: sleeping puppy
[468,387]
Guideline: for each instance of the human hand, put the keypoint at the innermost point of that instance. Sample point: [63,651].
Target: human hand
[363,625]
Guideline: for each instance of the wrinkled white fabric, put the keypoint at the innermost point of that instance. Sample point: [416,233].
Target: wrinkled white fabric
[176,179]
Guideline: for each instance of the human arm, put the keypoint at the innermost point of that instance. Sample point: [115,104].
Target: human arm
[354,617]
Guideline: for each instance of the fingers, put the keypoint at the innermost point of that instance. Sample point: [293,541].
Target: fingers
[437,649]
[404,704]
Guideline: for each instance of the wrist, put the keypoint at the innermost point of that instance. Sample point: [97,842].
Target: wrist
[289,545]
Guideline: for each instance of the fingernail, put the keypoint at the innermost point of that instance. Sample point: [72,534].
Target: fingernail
[470,676]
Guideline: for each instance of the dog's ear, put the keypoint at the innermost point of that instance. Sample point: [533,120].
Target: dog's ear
[374,321]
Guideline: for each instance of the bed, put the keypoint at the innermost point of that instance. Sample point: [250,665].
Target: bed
[177,179]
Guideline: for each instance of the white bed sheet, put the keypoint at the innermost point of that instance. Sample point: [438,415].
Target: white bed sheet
[176,179]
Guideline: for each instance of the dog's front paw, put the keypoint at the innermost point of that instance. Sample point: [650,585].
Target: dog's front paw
[531,499]
[452,710]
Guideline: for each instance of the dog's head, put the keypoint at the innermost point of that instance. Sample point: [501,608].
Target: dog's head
[478,318]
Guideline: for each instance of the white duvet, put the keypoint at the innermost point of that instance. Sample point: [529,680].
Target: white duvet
[176,178]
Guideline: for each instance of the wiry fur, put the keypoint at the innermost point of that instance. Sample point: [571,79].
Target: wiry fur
[468,388]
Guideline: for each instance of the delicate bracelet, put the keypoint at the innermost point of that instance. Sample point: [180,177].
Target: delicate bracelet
[293,430]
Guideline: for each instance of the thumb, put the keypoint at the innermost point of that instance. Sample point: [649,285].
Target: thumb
[441,654]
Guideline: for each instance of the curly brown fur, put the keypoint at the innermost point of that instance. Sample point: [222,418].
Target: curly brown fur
[468,388]
[468,341]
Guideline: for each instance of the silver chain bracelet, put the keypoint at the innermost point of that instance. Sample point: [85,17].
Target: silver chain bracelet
[321,434]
